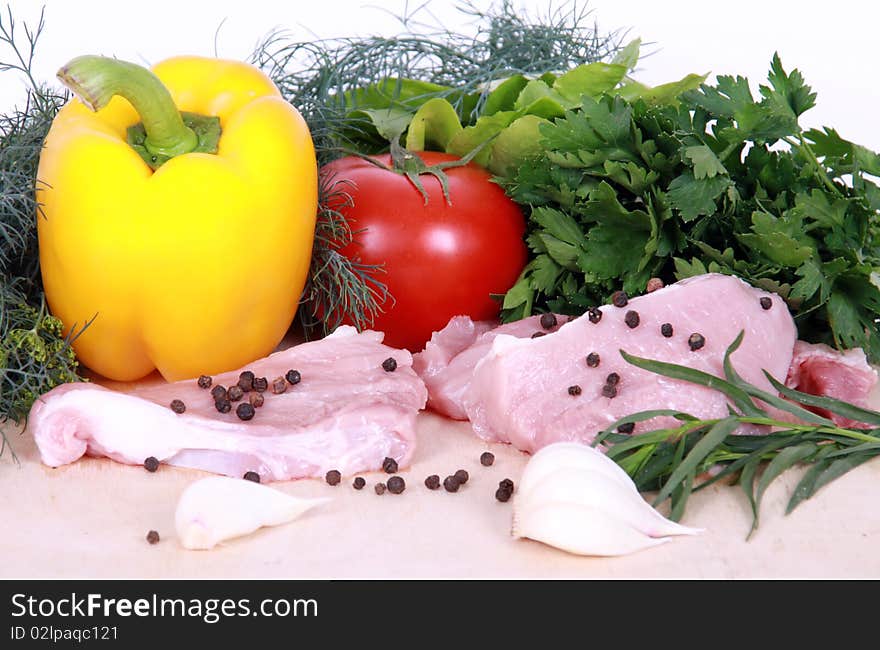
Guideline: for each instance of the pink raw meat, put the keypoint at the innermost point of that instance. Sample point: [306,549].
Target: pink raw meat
[447,362]
[820,370]
[532,392]
[347,413]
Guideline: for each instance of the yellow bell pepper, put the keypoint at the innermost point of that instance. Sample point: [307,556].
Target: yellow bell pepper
[187,251]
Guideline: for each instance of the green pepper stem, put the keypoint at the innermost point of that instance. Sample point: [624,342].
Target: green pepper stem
[96,79]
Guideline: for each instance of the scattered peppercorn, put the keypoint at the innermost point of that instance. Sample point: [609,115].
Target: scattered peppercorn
[256,399]
[487,458]
[396,484]
[538,335]
[548,321]
[234,393]
[251,476]
[178,406]
[389,365]
[223,405]
[609,391]
[595,315]
[389,465]
[653,285]
[612,379]
[153,537]
[619,299]
[461,476]
[574,391]
[696,341]
[246,381]
[218,393]
[503,495]
[666,330]
[205,381]
[432,482]
[333,477]
[631,319]
[245,411]
[151,464]
[593,360]
[279,385]
[766,303]
[627,427]
[358,483]
[380,488]
[261,384]
[293,376]
[450,484]
[507,484]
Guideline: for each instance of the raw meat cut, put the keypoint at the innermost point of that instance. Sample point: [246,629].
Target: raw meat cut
[532,392]
[447,362]
[347,413]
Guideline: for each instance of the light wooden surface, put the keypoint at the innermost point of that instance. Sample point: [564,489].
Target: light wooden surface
[90,519]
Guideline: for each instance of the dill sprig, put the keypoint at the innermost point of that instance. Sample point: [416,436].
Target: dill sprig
[679,460]
[35,356]
[326,80]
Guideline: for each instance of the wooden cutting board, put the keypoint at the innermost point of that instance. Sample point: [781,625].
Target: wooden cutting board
[90,519]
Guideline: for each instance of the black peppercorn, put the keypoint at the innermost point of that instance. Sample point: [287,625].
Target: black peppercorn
[333,477]
[506,484]
[151,464]
[619,299]
[461,476]
[432,482]
[279,385]
[389,465]
[609,391]
[612,379]
[548,321]
[487,458]
[223,405]
[538,335]
[396,484]
[293,376]
[593,360]
[205,381]
[380,488]
[261,384]
[245,411]
[389,365]
[503,495]
[153,537]
[256,399]
[218,392]
[178,406]
[595,315]
[450,484]
[358,483]
[766,303]
[234,393]
[251,476]
[696,341]
[631,319]
[666,330]
[627,427]
[574,391]
[246,381]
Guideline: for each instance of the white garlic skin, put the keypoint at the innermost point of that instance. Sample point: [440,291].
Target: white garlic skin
[573,497]
[218,508]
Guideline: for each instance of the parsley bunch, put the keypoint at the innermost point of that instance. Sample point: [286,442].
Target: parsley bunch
[720,181]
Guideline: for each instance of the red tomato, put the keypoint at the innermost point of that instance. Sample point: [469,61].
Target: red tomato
[440,260]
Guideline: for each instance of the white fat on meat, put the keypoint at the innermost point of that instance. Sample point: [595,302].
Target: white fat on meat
[347,413]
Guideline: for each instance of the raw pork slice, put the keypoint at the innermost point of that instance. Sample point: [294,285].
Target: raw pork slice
[347,413]
[532,392]
[448,360]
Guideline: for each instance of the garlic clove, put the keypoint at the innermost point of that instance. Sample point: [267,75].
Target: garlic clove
[580,529]
[596,490]
[218,508]
[550,459]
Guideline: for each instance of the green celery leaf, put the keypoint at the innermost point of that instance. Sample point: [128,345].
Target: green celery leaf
[591,79]
[503,97]
[434,125]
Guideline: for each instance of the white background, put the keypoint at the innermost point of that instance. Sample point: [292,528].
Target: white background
[834,44]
